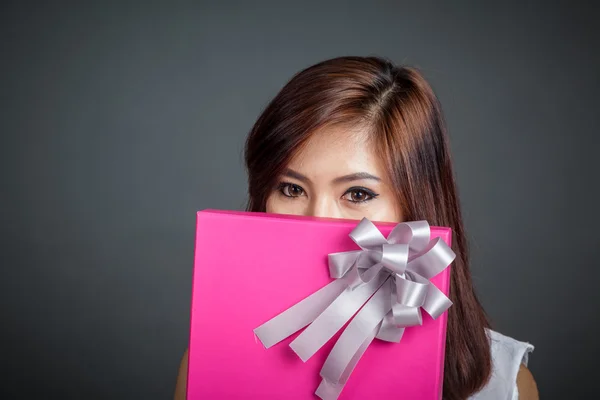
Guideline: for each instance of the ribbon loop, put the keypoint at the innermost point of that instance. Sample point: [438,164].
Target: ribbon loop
[415,233]
[432,260]
[367,236]
[409,293]
[387,280]
[406,316]
[395,257]
[389,330]
[340,263]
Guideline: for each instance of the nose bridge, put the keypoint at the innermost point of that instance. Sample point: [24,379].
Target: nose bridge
[323,206]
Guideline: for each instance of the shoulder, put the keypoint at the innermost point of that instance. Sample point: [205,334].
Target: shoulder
[181,384]
[510,377]
[526,386]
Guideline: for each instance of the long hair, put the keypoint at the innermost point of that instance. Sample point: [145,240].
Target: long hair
[404,119]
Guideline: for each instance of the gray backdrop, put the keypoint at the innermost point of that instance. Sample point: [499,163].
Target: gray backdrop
[120,121]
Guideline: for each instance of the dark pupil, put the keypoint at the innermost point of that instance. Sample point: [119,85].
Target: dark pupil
[358,195]
[296,191]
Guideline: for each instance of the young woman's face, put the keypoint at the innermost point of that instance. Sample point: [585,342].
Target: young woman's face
[337,175]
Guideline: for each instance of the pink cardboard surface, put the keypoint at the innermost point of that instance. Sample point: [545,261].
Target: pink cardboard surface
[248,268]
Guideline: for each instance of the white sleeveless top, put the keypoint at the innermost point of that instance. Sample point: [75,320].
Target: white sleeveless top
[507,356]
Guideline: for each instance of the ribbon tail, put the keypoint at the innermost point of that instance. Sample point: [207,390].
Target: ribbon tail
[330,390]
[388,330]
[356,337]
[299,315]
[334,318]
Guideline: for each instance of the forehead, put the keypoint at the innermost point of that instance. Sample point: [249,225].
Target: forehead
[336,151]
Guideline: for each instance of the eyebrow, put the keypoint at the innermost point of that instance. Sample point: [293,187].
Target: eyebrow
[290,173]
[356,177]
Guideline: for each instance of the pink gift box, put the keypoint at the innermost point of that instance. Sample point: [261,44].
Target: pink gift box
[248,268]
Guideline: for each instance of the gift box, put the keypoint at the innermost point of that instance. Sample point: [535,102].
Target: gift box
[251,267]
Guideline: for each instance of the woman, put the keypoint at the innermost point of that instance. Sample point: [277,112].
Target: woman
[359,137]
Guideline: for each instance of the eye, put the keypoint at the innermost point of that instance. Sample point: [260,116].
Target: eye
[291,190]
[359,195]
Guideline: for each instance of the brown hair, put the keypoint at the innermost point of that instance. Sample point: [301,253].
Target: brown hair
[404,117]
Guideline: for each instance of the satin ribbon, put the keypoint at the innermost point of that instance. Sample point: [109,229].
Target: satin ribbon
[388,278]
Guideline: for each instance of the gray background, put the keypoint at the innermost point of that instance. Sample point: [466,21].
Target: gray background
[120,121]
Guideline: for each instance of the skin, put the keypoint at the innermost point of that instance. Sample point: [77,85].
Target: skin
[338,175]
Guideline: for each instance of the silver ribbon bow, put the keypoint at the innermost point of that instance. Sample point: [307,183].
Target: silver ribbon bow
[388,278]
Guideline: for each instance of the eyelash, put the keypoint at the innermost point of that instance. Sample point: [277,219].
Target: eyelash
[370,194]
